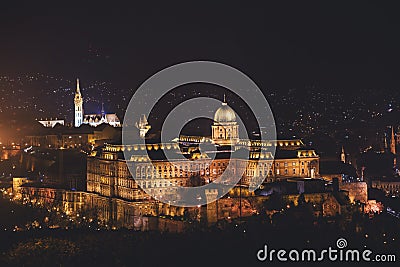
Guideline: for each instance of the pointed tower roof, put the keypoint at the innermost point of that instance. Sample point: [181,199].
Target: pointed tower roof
[392,133]
[78,90]
[143,120]
[392,142]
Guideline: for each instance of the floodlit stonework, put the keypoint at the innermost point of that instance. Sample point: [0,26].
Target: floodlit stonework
[91,119]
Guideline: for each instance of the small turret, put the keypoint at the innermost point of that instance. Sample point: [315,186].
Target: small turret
[343,156]
[143,126]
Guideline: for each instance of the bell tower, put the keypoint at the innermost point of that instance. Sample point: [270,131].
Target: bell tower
[78,101]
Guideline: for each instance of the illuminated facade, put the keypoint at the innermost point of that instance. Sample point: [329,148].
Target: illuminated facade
[116,180]
[391,187]
[78,102]
[143,126]
[225,130]
[51,122]
[109,178]
[17,182]
[92,119]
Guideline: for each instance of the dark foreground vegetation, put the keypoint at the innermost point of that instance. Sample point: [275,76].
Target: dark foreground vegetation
[228,244]
[236,245]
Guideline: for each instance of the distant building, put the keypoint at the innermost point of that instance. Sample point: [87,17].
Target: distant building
[357,191]
[373,207]
[65,137]
[97,119]
[91,119]
[333,205]
[78,101]
[51,122]
[143,126]
[51,196]
[121,200]
[389,186]
[326,204]
[109,179]
[17,183]
[332,169]
[225,130]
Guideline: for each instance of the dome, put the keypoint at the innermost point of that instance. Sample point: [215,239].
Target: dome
[225,114]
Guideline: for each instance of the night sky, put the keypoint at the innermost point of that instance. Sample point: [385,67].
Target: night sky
[325,68]
[282,44]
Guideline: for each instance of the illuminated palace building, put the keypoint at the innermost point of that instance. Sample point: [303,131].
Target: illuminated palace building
[120,198]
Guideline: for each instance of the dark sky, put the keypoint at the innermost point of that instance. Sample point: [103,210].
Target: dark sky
[354,44]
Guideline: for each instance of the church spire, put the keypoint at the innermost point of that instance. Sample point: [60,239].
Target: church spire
[103,114]
[392,142]
[78,90]
[78,102]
